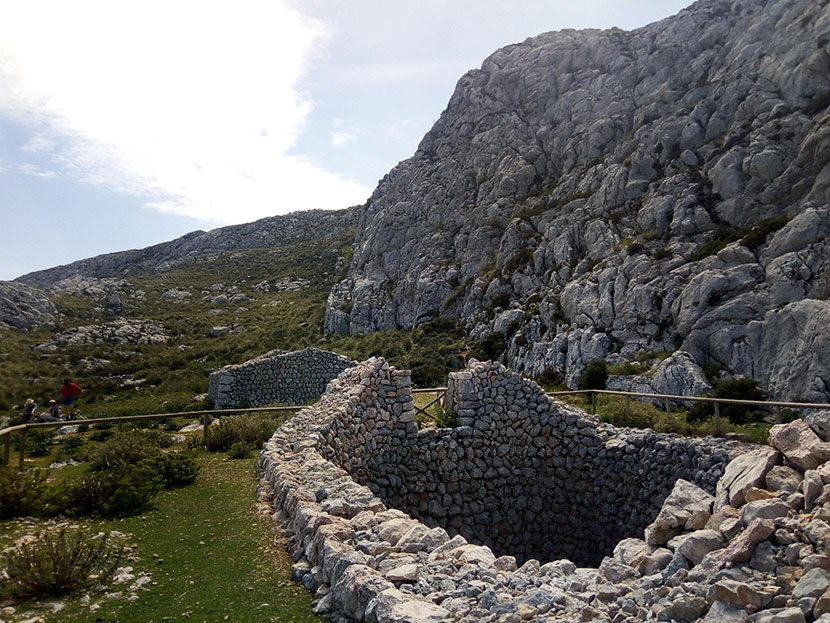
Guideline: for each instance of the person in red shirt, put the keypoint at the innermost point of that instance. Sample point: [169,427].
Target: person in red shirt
[70,392]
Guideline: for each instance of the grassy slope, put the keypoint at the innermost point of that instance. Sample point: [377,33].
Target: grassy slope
[218,557]
[171,374]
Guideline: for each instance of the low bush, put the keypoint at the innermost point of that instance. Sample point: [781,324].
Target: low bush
[446,419]
[490,348]
[109,493]
[72,447]
[57,564]
[175,468]
[22,492]
[550,380]
[38,443]
[128,448]
[595,375]
[625,368]
[100,435]
[252,429]
[134,489]
[240,450]
[736,388]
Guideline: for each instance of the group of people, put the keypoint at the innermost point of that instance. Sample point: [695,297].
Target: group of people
[69,396]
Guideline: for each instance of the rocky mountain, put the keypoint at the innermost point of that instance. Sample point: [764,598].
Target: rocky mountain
[611,194]
[655,195]
[198,246]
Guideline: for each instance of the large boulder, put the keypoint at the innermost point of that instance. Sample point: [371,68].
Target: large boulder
[743,473]
[683,501]
[802,447]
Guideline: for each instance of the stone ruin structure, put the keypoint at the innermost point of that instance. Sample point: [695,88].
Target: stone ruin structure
[488,521]
[277,377]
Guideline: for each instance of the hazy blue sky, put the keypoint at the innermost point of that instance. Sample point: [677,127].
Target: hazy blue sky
[127,124]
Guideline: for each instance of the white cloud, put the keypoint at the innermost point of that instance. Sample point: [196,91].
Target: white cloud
[33,170]
[344,132]
[190,105]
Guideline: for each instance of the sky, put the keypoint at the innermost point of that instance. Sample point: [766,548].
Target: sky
[126,124]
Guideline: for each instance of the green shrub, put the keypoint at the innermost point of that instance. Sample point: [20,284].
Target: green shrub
[446,419]
[759,232]
[240,450]
[661,254]
[38,443]
[71,446]
[136,487]
[175,468]
[100,435]
[57,564]
[550,380]
[253,429]
[722,235]
[625,368]
[110,493]
[128,448]
[594,376]
[736,388]
[83,495]
[490,348]
[22,492]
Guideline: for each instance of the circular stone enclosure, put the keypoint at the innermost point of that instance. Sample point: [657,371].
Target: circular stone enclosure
[524,474]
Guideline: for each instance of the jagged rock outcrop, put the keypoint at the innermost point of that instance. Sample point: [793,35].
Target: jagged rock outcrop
[660,189]
[25,308]
[274,231]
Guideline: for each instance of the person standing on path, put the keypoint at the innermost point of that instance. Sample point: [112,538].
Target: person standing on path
[70,392]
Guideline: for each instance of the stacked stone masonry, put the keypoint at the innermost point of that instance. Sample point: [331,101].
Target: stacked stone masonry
[277,377]
[387,522]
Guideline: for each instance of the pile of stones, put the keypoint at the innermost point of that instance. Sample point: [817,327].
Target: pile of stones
[278,376]
[753,548]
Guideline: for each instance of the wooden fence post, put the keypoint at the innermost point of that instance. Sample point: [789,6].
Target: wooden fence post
[7,449]
[22,447]
[668,405]
[205,422]
[593,403]
[717,418]
[627,408]
[777,412]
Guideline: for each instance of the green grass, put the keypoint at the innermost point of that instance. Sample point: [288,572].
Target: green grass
[209,552]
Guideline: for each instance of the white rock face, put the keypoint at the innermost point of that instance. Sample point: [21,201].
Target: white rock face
[578,177]
[25,308]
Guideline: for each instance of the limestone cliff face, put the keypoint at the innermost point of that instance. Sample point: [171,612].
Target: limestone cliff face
[594,194]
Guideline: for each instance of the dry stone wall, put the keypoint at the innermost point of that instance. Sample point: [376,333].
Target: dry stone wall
[276,377]
[386,522]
